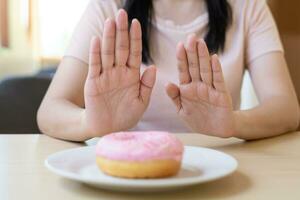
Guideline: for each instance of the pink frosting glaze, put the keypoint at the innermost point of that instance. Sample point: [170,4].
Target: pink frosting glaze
[140,146]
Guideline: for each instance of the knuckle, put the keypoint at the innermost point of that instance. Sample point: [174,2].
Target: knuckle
[122,47]
[193,65]
[108,52]
[110,37]
[182,68]
[205,69]
[94,63]
[122,29]
[136,53]
[136,39]
[181,60]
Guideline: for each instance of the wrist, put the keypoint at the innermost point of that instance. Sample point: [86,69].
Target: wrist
[93,128]
[238,123]
[88,130]
[84,128]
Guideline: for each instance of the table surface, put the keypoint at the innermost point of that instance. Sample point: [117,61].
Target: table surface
[268,169]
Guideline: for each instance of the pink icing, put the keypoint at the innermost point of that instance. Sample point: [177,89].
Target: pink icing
[140,146]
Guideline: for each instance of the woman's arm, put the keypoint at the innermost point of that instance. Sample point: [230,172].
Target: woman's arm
[204,103]
[278,109]
[61,112]
[106,96]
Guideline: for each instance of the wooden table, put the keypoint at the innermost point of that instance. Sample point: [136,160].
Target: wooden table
[268,169]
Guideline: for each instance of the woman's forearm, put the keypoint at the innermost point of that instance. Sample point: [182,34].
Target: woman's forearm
[62,119]
[272,117]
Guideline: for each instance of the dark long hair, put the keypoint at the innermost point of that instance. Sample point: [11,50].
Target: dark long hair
[220,18]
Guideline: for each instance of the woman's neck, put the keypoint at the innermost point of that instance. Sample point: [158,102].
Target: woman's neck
[179,11]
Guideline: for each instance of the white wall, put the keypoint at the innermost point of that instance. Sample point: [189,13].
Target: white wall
[18,58]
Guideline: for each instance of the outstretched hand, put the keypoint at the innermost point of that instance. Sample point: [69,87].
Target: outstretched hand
[202,99]
[115,95]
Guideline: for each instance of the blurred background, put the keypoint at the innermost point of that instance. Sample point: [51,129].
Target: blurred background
[33,38]
[35,33]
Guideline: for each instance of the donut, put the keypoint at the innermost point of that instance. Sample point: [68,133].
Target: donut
[136,155]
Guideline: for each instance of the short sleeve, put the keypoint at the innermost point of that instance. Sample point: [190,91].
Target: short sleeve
[91,24]
[262,33]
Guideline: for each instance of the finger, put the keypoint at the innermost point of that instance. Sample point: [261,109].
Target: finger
[218,78]
[94,58]
[135,55]
[108,44]
[147,84]
[205,65]
[182,65]
[122,39]
[174,93]
[192,56]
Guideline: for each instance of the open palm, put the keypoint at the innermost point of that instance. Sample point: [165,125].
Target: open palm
[115,95]
[202,99]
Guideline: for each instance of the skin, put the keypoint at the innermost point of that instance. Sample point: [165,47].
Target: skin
[109,95]
[202,95]
[114,85]
[202,99]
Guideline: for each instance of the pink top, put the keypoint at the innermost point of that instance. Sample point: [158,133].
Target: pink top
[252,34]
[140,146]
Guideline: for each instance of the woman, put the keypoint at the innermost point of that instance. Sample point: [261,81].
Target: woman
[101,90]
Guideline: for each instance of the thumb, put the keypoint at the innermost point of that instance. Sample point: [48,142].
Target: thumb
[174,93]
[147,84]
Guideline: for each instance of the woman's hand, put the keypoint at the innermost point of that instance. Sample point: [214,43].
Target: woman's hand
[115,95]
[202,99]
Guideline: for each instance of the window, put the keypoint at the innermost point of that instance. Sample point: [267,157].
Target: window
[56,22]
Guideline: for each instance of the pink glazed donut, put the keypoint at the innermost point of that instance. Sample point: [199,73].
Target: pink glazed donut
[139,154]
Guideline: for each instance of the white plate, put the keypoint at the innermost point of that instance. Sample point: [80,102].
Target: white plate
[199,165]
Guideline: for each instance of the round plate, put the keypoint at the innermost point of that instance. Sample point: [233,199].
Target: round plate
[199,165]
